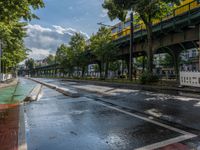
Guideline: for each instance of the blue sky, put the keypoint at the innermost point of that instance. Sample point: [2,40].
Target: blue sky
[59,20]
[81,15]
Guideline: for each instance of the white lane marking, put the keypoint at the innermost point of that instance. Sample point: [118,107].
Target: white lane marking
[146,119]
[186,135]
[166,142]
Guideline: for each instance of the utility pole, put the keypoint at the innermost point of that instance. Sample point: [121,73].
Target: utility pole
[131,47]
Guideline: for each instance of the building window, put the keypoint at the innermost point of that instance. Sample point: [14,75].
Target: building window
[187,55]
[193,53]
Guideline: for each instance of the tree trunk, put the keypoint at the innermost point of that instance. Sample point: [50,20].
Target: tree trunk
[83,71]
[127,64]
[100,69]
[106,70]
[143,63]
[176,64]
[150,47]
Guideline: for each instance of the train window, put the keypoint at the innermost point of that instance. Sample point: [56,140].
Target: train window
[127,24]
[114,30]
[120,27]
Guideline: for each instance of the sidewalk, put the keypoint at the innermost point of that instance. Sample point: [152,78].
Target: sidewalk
[8,83]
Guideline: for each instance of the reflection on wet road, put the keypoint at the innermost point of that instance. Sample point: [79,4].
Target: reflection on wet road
[58,122]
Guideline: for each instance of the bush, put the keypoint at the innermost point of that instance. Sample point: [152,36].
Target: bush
[148,77]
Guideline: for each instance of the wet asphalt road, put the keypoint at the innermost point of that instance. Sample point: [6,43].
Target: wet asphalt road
[58,122]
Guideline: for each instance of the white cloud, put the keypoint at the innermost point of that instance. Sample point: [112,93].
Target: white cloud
[39,53]
[103,13]
[59,29]
[44,41]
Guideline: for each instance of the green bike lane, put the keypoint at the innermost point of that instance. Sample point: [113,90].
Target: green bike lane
[10,99]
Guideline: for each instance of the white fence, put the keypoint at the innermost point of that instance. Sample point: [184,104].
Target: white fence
[190,79]
[4,77]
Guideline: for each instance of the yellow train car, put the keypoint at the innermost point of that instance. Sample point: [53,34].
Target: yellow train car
[123,28]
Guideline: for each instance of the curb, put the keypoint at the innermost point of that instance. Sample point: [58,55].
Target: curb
[68,92]
[64,91]
[33,95]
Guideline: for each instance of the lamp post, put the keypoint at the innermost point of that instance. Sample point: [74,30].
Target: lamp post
[131,47]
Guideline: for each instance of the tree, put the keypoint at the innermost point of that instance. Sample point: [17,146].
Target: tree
[50,60]
[30,65]
[167,61]
[78,51]
[64,58]
[140,62]
[103,48]
[147,10]
[12,29]
[14,10]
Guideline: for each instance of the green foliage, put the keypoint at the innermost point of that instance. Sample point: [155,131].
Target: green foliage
[114,66]
[12,29]
[102,45]
[50,59]
[139,61]
[167,61]
[103,48]
[147,78]
[64,57]
[78,47]
[78,54]
[74,55]
[30,64]
[147,10]
[13,10]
